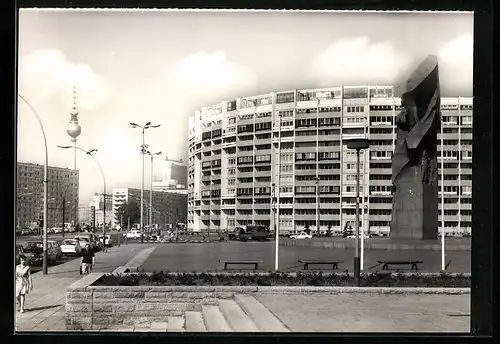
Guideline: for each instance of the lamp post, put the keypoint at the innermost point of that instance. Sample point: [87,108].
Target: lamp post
[89,152]
[143,151]
[45,184]
[275,228]
[317,205]
[151,190]
[357,144]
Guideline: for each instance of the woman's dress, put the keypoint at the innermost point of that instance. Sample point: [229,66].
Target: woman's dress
[22,280]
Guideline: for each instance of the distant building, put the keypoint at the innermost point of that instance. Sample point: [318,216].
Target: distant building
[167,206]
[84,214]
[62,185]
[98,201]
[175,171]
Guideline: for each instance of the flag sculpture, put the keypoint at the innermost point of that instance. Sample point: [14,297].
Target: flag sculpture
[414,163]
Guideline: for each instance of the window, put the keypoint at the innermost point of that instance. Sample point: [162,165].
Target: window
[231,161]
[308,122]
[262,126]
[380,177]
[232,120]
[380,189]
[263,158]
[216,163]
[245,160]
[216,133]
[286,168]
[329,189]
[206,136]
[329,155]
[355,92]
[263,191]
[355,109]
[286,189]
[467,120]
[231,106]
[305,156]
[381,108]
[305,189]
[231,181]
[466,190]
[311,110]
[285,98]
[286,123]
[245,128]
[287,113]
[329,109]
[380,155]
[324,122]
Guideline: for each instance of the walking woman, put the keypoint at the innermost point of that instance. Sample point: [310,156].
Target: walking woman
[24,284]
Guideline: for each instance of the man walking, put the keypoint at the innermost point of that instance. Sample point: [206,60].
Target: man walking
[88,260]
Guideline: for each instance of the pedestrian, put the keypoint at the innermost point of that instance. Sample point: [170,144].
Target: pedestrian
[88,260]
[24,283]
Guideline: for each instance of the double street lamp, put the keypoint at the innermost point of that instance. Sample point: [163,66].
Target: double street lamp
[357,144]
[89,152]
[143,152]
[151,190]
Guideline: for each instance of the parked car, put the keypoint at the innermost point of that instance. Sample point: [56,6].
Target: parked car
[301,235]
[71,247]
[109,240]
[353,236]
[33,250]
[19,252]
[57,248]
[133,234]
[84,240]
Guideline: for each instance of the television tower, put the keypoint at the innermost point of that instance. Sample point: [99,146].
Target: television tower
[74,128]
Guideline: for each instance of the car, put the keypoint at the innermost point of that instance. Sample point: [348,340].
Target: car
[109,240]
[86,239]
[353,236]
[34,252]
[133,234]
[71,247]
[19,252]
[301,235]
[57,248]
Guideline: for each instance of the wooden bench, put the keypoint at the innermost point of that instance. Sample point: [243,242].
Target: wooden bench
[413,263]
[255,263]
[333,263]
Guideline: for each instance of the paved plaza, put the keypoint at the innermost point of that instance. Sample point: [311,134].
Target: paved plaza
[45,305]
[206,256]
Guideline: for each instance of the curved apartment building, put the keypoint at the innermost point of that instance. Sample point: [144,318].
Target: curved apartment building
[290,145]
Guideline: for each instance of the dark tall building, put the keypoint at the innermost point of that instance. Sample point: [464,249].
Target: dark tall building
[62,185]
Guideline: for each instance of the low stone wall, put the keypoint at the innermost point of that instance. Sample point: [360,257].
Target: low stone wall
[376,244]
[90,307]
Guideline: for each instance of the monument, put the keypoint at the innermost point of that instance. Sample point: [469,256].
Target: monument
[414,164]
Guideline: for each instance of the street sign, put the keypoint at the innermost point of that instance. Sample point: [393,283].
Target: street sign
[92,218]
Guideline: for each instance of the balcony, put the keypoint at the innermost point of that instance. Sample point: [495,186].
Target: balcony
[262,206]
[385,136]
[245,153]
[262,174]
[244,174]
[228,195]
[206,149]
[262,151]
[305,205]
[329,171]
[260,217]
[228,206]
[309,138]
[205,178]
[244,206]
[311,172]
[355,125]
[205,217]
[216,147]
[266,141]
[331,137]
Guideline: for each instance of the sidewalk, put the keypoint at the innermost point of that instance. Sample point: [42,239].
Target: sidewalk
[45,305]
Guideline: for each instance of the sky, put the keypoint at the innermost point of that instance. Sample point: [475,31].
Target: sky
[162,66]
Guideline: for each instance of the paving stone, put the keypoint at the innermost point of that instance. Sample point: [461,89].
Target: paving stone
[194,322]
[175,324]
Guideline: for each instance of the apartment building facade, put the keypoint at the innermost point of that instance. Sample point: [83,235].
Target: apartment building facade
[288,148]
[166,206]
[63,186]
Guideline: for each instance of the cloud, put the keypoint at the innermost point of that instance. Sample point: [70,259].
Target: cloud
[47,75]
[204,75]
[358,61]
[456,64]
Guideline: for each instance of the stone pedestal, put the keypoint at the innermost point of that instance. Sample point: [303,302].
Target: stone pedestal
[415,207]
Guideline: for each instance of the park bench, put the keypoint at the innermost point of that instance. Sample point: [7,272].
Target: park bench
[333,263]
[255,263]
[412,263]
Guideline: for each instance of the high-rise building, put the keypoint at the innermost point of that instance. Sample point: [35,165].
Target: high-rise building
[98,201]
[167,206]
[62,187]
[242,152]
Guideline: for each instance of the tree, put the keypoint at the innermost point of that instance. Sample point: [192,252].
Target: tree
[329,230]
[130,210]
[306,229]
[344,231]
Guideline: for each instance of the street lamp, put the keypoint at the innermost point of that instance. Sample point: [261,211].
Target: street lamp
[143,151]
[357,144]
[45,188]
[317,179]
[274,227]
[151,190]
[89,152]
